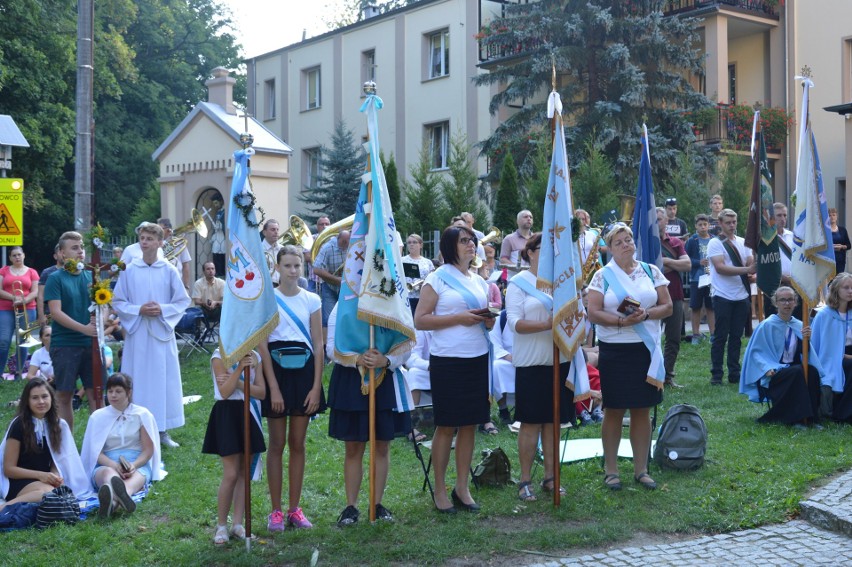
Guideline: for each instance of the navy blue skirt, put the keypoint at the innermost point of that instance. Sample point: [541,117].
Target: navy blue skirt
[459,390]
[224,435]
[624,370]
[294,384]
[534,394]
[349,417]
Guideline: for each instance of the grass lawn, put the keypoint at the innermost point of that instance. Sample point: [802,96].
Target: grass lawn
[754,475]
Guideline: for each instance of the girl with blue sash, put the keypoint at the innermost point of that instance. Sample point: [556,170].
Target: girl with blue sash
[627,300]
[832,341]
[294,386]
[772,366]
[529,314]
[459,361]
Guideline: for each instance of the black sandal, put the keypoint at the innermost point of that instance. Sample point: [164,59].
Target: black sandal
[612,485]
[544,487]
[524,492]
[652,485]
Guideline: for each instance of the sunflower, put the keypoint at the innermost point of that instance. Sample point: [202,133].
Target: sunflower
[103,296]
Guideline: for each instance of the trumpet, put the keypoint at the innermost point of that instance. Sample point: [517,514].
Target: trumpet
[23,332]
[176,243]
[415,285]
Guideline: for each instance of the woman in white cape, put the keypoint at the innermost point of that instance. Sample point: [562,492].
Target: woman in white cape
[121,448]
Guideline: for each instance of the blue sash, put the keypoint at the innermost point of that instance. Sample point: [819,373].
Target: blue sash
[295,320]
[657,371]
[533,291]
[472,303]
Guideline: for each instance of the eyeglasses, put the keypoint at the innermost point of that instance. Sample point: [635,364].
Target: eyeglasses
[785,300]
[466,240]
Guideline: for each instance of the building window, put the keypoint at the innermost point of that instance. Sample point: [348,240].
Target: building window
[269,99]
[439,54]
[312,167]
[368,66]
[438,138]
[732,83]
[312,90]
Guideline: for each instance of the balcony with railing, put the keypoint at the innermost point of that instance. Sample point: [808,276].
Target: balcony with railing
[729,127]
[766,8]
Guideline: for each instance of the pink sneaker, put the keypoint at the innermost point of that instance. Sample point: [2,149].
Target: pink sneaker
[296,518]
[276,522]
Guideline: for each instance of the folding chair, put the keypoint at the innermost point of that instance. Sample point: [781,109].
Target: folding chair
[210,332]
[189,331]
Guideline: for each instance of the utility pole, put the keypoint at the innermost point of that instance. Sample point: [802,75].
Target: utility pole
[84,152]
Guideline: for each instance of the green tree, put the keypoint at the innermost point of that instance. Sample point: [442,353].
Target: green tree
[618,64]
[593,184]
[460,185]
[392,180]
[145,209]
[339,182]
[534,179]
[422,199]
[688,184]
[507,203]
[151,60]
[734,175]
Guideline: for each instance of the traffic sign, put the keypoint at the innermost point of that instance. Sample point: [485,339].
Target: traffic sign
[11,212]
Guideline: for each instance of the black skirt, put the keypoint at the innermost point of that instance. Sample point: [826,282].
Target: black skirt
[534,394]
[624,370]
[225,430]
[841,408]
[349,417]
[792,399]
[459,390]
[294,384]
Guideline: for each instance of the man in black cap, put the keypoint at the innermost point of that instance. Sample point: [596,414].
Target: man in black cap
[675,228]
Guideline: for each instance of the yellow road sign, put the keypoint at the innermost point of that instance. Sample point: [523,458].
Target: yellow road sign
[11,212]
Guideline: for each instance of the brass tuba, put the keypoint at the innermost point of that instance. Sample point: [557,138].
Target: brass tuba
[626,205]
[297,234]
[176,243]
[23,326]
[330,232]
[494,235]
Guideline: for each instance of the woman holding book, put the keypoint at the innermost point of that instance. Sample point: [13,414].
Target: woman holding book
[627,300]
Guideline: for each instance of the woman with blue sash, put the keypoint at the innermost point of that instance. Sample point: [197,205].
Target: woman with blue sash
[293,362]
[832,341]
[773,370]
[459,361]
[627,300]
[529,314]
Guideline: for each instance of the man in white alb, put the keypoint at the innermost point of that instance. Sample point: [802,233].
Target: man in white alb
[150,300]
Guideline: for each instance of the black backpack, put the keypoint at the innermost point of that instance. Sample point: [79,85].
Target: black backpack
[682,440]
[494,470]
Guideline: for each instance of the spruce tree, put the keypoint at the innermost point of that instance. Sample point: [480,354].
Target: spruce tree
[339,181]
[422,200]
[618,64]
[392,180]
[507,203]
[593,185]
[460,186]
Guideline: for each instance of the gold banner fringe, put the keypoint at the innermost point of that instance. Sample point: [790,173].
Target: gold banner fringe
[228,359]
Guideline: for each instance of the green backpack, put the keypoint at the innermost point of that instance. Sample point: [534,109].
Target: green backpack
[494,469]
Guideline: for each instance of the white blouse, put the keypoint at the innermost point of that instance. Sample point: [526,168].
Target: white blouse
[458,341]
[528,349]
[643,289]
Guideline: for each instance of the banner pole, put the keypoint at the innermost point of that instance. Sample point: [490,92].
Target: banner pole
[247,452]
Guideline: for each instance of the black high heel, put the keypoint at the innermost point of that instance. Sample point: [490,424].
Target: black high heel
[464,506]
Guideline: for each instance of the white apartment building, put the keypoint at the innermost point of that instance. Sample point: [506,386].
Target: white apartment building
[422,58]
